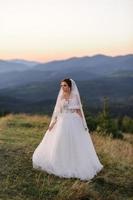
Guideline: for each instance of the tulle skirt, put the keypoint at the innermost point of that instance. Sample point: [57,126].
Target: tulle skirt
[67,150]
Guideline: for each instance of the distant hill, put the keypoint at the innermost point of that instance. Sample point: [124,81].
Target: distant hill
[8,66]
[99,64]
[26,62]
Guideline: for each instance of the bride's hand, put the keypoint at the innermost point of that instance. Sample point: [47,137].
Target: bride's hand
[79,112]
[50,127]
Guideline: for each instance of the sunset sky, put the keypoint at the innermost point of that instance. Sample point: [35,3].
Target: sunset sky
[47,30]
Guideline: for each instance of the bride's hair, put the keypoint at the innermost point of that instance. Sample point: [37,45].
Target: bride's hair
[68,81]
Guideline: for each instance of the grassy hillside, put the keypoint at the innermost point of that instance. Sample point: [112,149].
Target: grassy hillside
[19,136]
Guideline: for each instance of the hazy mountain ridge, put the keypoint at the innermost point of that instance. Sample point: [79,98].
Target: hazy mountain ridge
[16,65]
[82,68]
[8,66]
[23,61]
[97,63]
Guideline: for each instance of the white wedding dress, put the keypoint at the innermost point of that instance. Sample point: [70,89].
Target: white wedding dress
[67,150]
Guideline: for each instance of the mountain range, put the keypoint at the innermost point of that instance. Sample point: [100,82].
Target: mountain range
[35,85]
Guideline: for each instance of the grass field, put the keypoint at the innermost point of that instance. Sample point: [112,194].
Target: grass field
[19,136]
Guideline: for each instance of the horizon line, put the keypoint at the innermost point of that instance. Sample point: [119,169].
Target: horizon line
[62,59]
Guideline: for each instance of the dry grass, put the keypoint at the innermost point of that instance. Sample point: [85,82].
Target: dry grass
[117,150]
[24,119]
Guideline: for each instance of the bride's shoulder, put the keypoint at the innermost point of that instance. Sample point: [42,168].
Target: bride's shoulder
[74,95]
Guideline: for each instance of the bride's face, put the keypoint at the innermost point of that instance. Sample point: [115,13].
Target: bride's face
[65,86]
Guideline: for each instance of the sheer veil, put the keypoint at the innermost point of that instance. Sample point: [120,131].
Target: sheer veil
[57,108]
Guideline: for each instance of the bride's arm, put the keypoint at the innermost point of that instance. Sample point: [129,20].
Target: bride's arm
[77,105]
[55,117]
[79,112]
[52,125]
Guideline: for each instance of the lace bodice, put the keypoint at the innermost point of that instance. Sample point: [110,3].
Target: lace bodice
[69,105]
[65,105]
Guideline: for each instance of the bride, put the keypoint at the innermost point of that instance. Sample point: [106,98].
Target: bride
[66,149]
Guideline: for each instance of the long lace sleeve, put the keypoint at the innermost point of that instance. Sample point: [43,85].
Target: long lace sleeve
[56,112]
